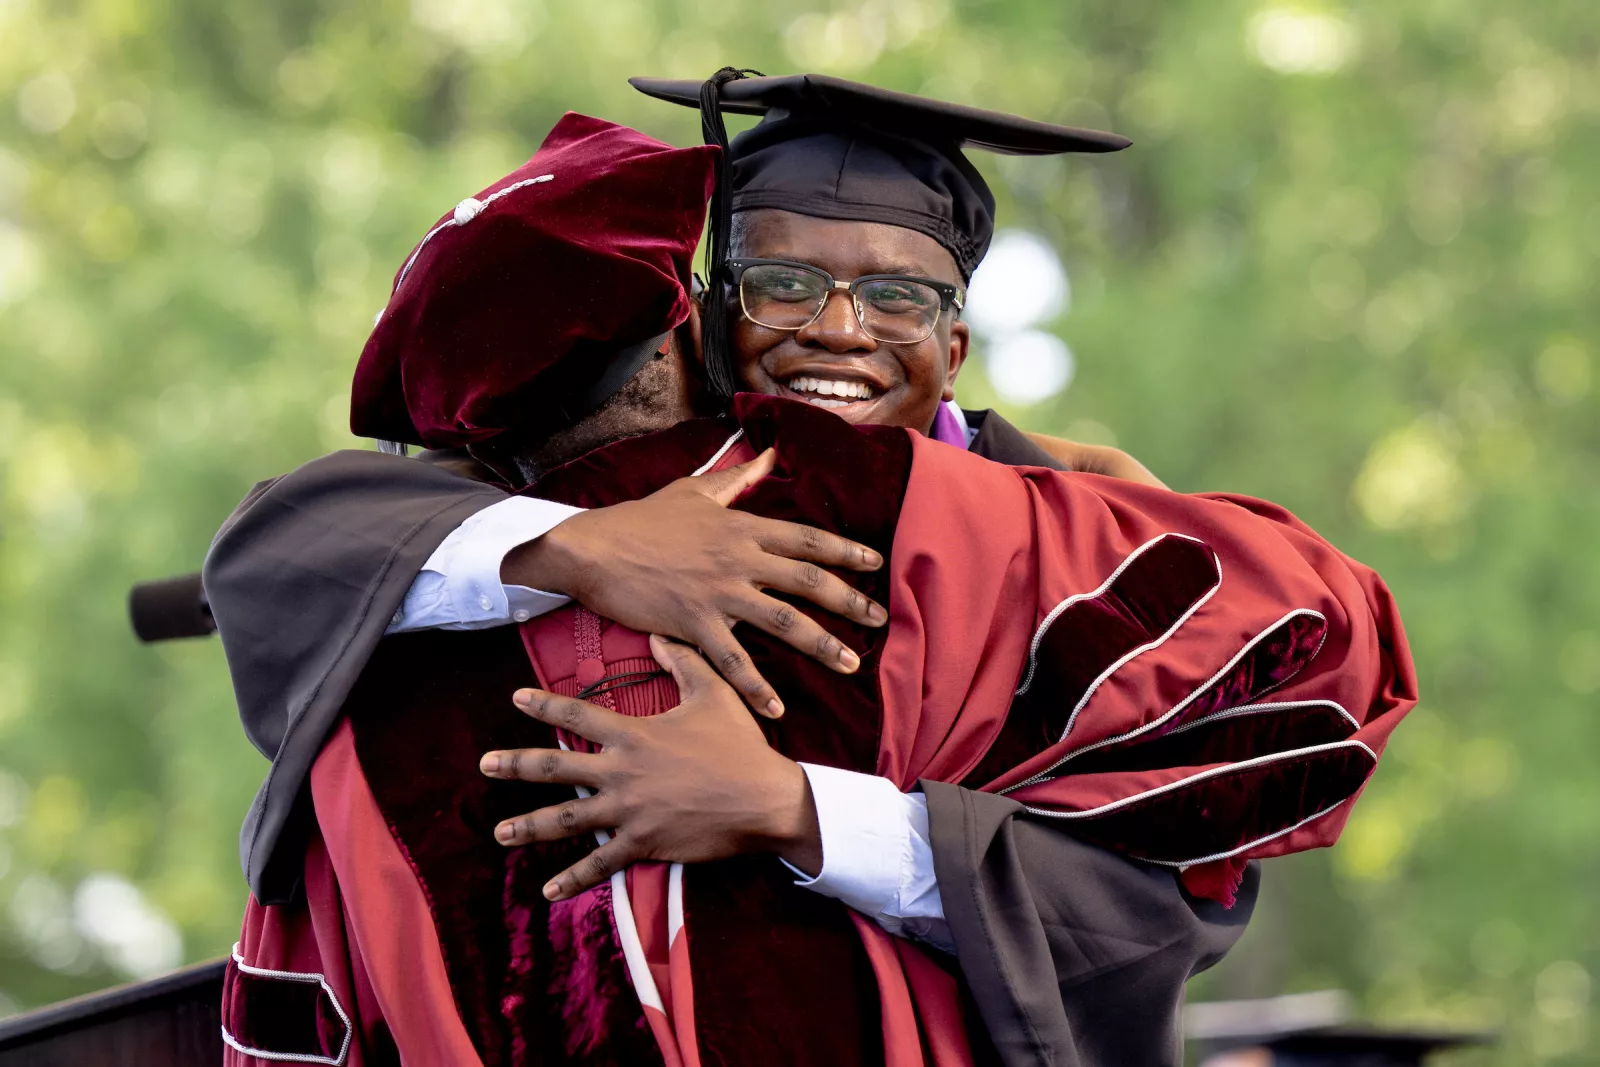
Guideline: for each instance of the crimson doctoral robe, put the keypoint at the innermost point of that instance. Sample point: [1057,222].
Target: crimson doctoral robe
[1182,681]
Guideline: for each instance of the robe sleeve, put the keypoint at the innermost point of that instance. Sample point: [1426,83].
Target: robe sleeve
[303,579]
[1222,693]
[1075,956]
[1122,695]
[1184,680]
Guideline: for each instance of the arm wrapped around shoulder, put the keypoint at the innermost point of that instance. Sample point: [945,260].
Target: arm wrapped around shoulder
[303,579]
[1207,680]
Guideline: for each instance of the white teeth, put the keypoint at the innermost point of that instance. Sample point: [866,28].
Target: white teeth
[828,403]
[832,387]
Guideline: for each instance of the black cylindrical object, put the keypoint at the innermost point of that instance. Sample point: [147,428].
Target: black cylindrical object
[171,608]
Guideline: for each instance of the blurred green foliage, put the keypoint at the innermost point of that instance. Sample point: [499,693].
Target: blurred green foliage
[1349,265]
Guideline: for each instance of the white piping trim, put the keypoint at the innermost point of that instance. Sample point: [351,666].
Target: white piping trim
[738,435]
[1055,612]
[644,986]
[1258,709]
[514,186]
[405,270]
[1194,694]
[1123,661]
[1202,776]
[307,978]
[632,947]
[674,903]
[491,198]
[1247,846]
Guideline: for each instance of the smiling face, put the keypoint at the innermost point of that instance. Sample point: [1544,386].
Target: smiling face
[832,362]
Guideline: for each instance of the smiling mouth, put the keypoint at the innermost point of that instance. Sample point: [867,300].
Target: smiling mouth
[829,392]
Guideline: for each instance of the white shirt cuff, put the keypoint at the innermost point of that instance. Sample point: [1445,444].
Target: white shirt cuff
[459,587]
[876,855]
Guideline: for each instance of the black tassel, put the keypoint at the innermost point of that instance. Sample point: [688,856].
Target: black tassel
[720,376]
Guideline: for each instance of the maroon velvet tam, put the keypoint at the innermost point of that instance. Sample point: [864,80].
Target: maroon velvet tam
[528,299]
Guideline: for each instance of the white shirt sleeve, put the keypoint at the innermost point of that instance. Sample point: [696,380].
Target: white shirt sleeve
[876,856]
[459,588]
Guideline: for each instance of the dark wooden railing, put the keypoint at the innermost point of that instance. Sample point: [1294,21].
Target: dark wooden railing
[171,1021]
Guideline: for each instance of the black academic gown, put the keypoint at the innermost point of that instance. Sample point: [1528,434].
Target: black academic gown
[1074,956]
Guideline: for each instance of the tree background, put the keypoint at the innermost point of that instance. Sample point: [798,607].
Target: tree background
[1348,265]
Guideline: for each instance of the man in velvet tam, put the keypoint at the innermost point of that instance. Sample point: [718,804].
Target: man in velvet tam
[1073,673]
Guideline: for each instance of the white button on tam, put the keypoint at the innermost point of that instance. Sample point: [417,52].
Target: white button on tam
[468,210]
[522,614]
[485,603]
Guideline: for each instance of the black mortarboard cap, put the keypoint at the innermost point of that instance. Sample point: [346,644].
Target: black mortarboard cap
[838,149]
[1313,1030]
[842,150]
[1364,1047]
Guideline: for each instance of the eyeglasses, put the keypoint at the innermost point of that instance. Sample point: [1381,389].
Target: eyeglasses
[783,295]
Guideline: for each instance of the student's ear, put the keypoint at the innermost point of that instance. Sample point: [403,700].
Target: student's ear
[960,344]
[690,338]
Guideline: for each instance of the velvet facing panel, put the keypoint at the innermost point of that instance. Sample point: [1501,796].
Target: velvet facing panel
[282,1015]
[543,984]
[428,706]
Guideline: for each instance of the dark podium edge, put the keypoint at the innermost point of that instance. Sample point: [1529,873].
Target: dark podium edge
[200,983]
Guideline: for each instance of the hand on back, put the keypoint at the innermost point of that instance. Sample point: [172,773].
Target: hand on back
[690,785]
[681,563]
[1096,459]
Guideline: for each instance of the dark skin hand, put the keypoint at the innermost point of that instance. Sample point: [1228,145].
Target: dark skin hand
[694,784]
[680,563]
[667,565]
[1097,459]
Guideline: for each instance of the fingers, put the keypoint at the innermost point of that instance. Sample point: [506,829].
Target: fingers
[589,721]
[543,765]
[725,486]
[828,591]
[805,634]
[795,541]
[728,657]
[687,667]
[559,821]
[593,869]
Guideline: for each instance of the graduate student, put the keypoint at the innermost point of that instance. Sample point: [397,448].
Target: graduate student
[398,547]
[845,188]
[1073,670]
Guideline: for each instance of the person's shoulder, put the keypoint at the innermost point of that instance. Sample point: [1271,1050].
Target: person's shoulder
[362,466]
[460,462]
[1002,442]
[350,480]
[1096,459]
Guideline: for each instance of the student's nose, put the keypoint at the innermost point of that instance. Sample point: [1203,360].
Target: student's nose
[837,328]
